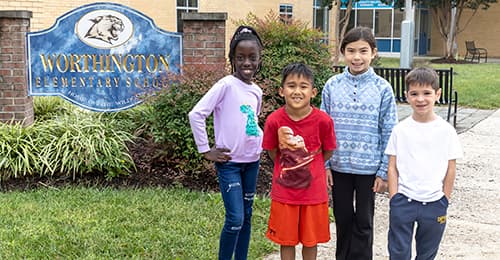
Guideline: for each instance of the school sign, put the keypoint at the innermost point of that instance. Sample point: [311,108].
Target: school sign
[102,57]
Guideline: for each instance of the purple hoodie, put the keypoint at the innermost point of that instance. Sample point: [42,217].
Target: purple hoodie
[235,105]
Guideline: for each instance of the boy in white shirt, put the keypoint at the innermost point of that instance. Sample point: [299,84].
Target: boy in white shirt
[422,151]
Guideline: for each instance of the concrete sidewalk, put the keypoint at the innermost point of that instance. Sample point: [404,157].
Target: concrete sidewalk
[466,117]
[473,228]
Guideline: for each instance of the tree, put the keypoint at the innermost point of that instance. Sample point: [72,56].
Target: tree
[340,23]
[447,15]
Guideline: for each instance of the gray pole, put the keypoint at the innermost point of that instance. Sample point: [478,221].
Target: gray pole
[407,37]
[451,43]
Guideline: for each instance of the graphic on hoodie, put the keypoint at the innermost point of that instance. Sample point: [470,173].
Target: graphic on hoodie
[294,160]
[251,127]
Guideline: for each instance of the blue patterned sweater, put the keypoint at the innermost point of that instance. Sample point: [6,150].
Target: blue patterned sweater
[364,112]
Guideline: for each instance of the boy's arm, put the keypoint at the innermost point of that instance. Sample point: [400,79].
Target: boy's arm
[327,155]
[272,153]
[329,178]
[449,178]
[392,176]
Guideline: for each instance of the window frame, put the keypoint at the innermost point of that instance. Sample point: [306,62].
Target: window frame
[325,23]
[286,16]
[187,6]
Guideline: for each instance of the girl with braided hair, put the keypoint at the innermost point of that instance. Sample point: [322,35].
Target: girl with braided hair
[236,102]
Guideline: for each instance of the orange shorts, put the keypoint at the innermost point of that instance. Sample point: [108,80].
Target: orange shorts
[290,224]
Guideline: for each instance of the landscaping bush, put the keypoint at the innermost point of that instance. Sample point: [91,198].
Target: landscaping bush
[49,107]
[167,124]
[285,44]
[19,151]
[83,143]
[69,145]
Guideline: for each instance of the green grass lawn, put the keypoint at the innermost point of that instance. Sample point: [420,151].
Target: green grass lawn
[478,85]
[91,223]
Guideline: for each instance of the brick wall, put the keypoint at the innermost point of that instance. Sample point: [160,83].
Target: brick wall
[15,105]
[204,40]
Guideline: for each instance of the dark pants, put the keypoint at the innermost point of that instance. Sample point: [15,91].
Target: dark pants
[353,208]
[431,221]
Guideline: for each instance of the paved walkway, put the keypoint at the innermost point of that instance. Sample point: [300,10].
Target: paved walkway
[466,117]
[473,230]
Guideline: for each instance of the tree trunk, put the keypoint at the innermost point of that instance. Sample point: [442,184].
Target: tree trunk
[339,33]
[442,18]
[336,50]
[450,42]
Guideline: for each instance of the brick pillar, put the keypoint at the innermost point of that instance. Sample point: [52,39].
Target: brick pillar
[15,104]
[204,41]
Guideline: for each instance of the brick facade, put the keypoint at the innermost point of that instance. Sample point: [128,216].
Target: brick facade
[204,40]
[15,105]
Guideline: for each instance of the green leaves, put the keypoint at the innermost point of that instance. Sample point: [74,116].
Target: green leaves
[168,122]
[18,152]
[284,44]
[69,144]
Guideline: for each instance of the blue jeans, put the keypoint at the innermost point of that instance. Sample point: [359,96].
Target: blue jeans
[237,182]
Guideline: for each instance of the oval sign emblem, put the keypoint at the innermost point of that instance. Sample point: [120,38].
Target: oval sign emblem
[104,29]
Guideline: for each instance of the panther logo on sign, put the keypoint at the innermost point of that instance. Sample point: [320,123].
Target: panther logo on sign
[104,29]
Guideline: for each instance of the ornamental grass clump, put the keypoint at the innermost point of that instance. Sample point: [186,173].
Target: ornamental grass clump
[68,145]
[84,143]
[18,151]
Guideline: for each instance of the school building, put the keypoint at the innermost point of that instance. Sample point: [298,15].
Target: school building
[385,20]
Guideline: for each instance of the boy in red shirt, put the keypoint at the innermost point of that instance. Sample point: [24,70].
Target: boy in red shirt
[299,138]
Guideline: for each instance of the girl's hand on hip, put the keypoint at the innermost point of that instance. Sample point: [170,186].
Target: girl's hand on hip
[218,155]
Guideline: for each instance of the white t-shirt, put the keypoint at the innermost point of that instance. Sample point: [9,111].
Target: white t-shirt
[422,153]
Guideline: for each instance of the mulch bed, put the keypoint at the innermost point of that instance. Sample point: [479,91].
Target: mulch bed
[154,169]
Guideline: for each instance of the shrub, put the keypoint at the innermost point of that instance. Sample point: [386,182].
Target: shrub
[68,145]
[83,143]
[168,122]
[19,151]
[50,107]
[285,44]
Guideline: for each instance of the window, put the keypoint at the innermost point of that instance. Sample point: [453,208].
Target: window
[286,13]
[398,19]
[383,23]
[365,18]
[321,19]
[185,6]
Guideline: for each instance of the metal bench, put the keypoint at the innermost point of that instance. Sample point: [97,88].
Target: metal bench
[396,77]
[475,53]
